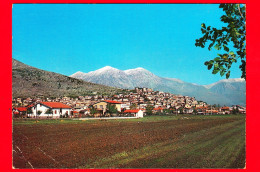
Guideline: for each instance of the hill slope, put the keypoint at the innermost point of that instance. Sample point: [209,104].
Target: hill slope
[28,81]
[232,93]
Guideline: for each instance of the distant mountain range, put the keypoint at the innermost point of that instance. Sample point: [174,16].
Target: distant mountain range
[31,82]
[225,92]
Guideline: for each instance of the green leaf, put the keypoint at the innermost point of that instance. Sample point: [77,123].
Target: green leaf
[210,45]
[226,48]
[220,55]
[231,53]
[215,71]
[203,25]
[211,61]
[227,74]
[234,60]
[217,47]
[210,66]
[222,72]
[217,59]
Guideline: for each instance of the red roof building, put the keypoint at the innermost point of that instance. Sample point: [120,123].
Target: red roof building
[225,108]
[56,105]
[158,108]
[21,109]
[136,112]
[113,102]
[29,106]
[131,111]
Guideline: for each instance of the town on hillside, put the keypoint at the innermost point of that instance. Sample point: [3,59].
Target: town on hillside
[137,103]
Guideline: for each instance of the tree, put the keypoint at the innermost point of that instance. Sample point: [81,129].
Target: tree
[29,110]
[195,111]
[181,110]
[48,111]
[39,112]
[133,106]
[149,109]
[111,109]
[93,110]
[234,34]
[235,110]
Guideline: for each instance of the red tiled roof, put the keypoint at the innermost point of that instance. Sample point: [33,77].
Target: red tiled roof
[131,111]
[21,109]
[159,108]
[113,102]
[56,105]
[227,108]
[31,105]
[202,107]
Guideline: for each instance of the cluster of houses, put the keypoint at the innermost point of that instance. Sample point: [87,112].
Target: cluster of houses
[61,110]
[134,103]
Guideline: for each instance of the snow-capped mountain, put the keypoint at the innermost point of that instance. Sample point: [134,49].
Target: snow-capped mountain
[224,92]
[227,81]
[131,78]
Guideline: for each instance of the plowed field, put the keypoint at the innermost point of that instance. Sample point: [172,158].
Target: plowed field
[151,142]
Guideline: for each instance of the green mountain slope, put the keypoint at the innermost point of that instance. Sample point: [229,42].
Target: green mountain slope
[28,81]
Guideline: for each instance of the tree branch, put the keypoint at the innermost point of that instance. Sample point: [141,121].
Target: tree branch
[238,5]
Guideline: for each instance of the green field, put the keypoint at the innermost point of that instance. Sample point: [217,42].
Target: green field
[183,141]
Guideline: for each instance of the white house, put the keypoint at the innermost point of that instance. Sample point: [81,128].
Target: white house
[50,110]
[136,112]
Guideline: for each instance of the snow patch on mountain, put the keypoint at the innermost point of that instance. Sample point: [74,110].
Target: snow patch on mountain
[231,80]
[175,79]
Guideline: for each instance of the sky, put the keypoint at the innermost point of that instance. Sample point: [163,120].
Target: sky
[66,38]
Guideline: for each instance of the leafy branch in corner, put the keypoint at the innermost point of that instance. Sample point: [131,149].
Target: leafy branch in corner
[234,34]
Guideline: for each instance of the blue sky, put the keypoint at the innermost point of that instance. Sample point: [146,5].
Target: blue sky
[66,38]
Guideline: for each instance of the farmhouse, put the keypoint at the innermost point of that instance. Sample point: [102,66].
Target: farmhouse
[50,110]
[188,110]
[19,111]
[102,106]
[135,112]
[225,110]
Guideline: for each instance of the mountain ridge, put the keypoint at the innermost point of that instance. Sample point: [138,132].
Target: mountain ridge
[225,92]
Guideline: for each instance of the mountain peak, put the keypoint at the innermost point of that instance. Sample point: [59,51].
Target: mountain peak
[139,69]
[230,80]
[78,75]
[106,68]
[79,72]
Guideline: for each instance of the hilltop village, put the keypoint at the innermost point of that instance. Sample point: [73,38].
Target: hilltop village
[136,103]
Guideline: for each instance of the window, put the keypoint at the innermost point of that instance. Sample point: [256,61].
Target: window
[55,112]
[101,106]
